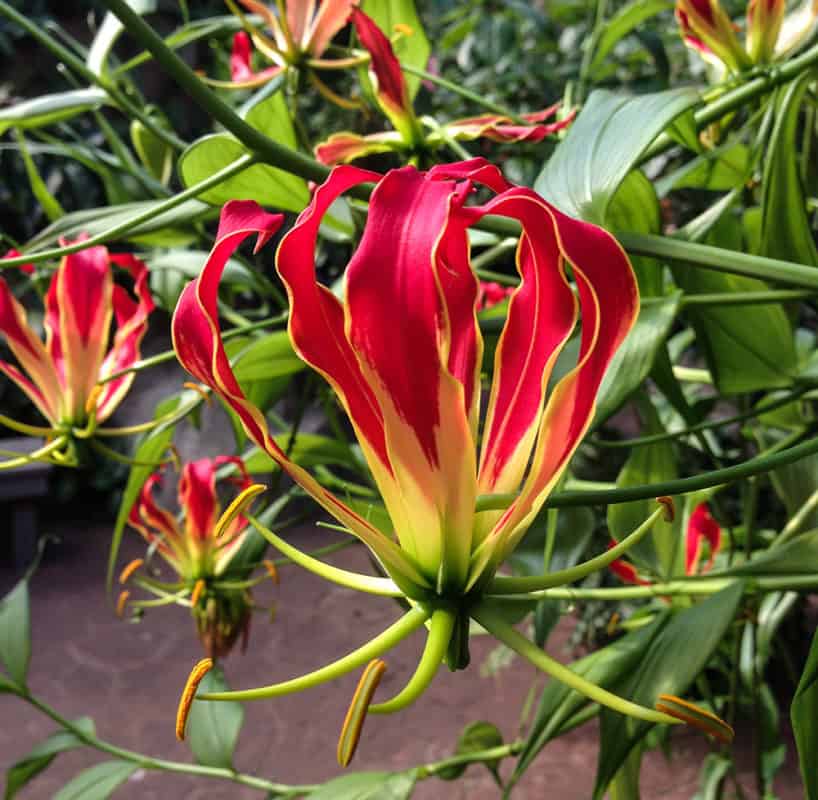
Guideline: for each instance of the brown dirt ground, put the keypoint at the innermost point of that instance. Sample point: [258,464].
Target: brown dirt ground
[128,678]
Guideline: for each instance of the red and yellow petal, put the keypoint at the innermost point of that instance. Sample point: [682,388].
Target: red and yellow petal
[701,528]
[242,75]
[343,147]
[499,128]
[331,17]
[197,497]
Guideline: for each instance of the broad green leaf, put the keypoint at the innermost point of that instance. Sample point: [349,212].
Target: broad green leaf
[49,109]
[625,784]
[271,116]
[413,49]
[635,208]
[661,549]
[668,666]
[796,557]
[270,356]
[308,450]
[603,145]
[266,185]
[748,348]
[156,155]
[367,786]
[108,33]
[51,206]
[804,717]
[98,782]
[717,170]
[785,226]
[604,667]
[20,773]
[476,736]
[15,633]
[167,229]
[625,20]
[634,359]
[213,727]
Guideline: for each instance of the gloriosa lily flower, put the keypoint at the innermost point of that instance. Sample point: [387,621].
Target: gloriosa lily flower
[199,545]
[403,353]
[66,376]
[771,34]
[393,97]
[701,528]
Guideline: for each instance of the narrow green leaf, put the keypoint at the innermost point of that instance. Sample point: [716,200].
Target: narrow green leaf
[213,727]
[804,717]
[715,769]
[266,185]
[15,633]
[476,736]
[51,206]
[797,557]
[668,666]
[97,782]
[270,356]
[367,786]
[49,109]
[20,773]
[308,450]
[603,145]
[156,155]
[108,33]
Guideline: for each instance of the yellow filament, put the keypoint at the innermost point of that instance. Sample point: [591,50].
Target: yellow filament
[354,721]
[121,602]
[188,693]
[271,570]
[196,595]
[236,507]
[200,390]
[670,507]
[694,715]
[129,569]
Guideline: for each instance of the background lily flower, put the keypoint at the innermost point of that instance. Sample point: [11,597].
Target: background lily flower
[701,528]
[61,375]
[198,549]
[418,427]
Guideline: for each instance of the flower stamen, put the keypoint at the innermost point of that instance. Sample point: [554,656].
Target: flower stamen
[188,693]
[358,707]
[129,569]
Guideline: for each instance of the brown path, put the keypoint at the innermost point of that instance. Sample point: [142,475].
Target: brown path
[128,677]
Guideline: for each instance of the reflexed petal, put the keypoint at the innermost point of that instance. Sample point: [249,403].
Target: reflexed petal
[707,28]
[299,16]
[764,18]
[197,496]
[331,17]
[196,337]
[344,147]
[27,268]
[626,571]
[157,524]
[503,129]
[797,26]
[701,527]
[242,75]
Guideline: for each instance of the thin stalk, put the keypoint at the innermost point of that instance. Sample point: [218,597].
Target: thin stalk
[793,527]
[743,298]
[753,466]
[395,633]
[513,585]
[501,630]
[239,165]
[22,427]
[41,454]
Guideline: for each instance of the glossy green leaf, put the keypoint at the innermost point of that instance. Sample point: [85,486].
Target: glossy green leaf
[623,22]
[271,116]
[634,359]
[668,666]
[476,736]
[98,782]
[661,549]
[785,226]
[155,154]
[270,356]
[717,170]
[796,557]
[603,145]
[804,717]
[213,727]
[20,773]
[604,667]
[414,49]
[266,185]
[15,633]
[367,786]
[49,109]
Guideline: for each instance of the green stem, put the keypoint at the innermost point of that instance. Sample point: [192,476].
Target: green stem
[753,466]
[147,762]
[239,165]
[22,427]
[41,454]
[501,630]
[210,102]
[744,298]
[793,527]
[472,757]
[512,585]
[397,632]
[441,626]
[352,580]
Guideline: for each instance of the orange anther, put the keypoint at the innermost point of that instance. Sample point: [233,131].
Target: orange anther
[670,507]
[196,594]
[188,693]
[129,569]
[354,721]
[271,570]
[121,603]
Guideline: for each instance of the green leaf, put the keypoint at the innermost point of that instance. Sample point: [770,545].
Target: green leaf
[98,782]
[717,170]
[368,786]
[625,20]
[308,450]
[804,717]
[668,666]
[20,773]
[51,206]
[634,359]
[270,356]
[785,226]
[156,155]
[49,109]
[625,785]
[271,116]
[603,145]
[108,33]
[715,769]
[604,667]
[266,185]
[476,736]
[414,49]
[15,633]
[796,557]
[213,727]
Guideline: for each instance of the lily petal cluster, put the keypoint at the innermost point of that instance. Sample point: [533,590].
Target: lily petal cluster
[702,529]
[67,375]
[392,94]
[199,544]
[771,33]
